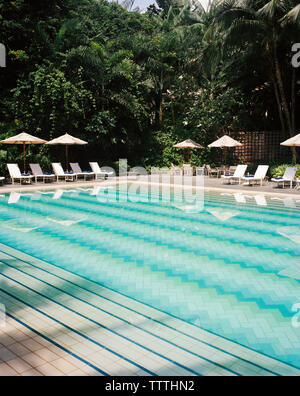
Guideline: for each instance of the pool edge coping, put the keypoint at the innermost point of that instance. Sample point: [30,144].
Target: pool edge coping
[116,181]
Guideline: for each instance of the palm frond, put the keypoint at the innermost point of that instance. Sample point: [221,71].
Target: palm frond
[271,9]
[63,30]
[292,17]
[242,30]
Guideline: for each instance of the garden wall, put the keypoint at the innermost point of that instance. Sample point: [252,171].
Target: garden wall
[261,147]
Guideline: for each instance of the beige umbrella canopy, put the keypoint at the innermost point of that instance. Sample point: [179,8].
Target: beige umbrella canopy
[292,142]
[188,144]
[67,140]
[225,142]
[24,139]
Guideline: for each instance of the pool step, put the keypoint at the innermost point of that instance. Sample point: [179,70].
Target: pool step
[152,328]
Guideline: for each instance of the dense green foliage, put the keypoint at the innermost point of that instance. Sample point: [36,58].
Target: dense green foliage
[278,171]
[134,84]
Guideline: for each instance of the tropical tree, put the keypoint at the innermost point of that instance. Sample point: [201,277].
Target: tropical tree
[134,83]
[263,25]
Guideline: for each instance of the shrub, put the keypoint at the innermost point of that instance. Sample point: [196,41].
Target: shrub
[278,170]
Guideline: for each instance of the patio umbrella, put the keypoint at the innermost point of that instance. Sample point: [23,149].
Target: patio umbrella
[67,140]
[24,139]
[292,142]
[188,144]
[225,142]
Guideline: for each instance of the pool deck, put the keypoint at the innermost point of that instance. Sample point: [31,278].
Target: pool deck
[60,324]
[210,184]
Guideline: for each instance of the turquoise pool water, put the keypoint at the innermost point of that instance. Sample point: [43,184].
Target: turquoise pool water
[230,264]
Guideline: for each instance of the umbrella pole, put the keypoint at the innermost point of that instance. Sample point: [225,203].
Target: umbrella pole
[295,157]
[188,156]
[24,157]
[294,152]
[67,158]
[225,155]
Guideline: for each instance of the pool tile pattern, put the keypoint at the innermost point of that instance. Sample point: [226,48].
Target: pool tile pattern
[158,343]
[146,289]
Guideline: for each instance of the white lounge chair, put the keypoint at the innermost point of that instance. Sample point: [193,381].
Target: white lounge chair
[99,172]
[231,169]
[200,171]
[175,170]
[76,169]
[259,176]
[213,172]
[288,177]
[39,174]
[15,174]
[60,173]
[188,170]
[238,174]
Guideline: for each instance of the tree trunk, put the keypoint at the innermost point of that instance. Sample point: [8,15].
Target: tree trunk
[160,110]
[283,128]
[161,87]
[270,66]
[284,102]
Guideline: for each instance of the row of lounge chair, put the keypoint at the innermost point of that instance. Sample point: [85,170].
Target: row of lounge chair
[96,173]
[239,175]
[260,175]
[58,173]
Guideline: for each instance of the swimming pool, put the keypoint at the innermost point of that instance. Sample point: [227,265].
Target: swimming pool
[230,266]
